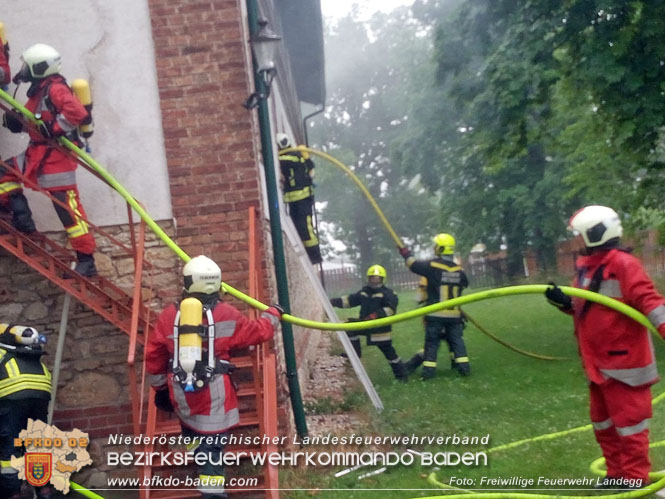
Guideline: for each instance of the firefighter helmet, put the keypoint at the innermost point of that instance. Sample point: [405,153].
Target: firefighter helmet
[376,270]
[202,275]
[444,244]
[597,225]
[283,141]
[41,60]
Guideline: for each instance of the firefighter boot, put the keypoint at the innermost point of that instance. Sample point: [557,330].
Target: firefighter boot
[86,264]
[413,363]
[399,370]
[21,214]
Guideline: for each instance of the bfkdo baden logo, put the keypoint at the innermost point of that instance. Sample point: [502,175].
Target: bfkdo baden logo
[38,468]
[51,455]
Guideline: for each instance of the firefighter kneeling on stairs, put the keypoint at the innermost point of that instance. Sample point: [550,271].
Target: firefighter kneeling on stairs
[445,280]
[25,391]
[376,301]
[187,359]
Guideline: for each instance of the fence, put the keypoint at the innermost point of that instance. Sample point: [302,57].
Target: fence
[347,280]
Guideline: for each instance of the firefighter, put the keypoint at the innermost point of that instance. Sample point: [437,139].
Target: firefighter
[52,101]
[297,173]
[617,352]
[445,280]
[25,391]
[375,301]
[211,408]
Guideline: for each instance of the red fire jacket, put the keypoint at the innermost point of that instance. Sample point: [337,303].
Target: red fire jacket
[611,344]
[214,408]
[51,168]
[5,72]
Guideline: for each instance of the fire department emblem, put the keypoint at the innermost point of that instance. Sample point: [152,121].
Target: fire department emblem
[38,468]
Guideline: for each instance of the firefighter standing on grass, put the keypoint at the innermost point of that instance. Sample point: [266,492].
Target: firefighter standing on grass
[375,301]
[51,100]
[297,171]
[617,352]
[445,280]
[203,395]
[25,391]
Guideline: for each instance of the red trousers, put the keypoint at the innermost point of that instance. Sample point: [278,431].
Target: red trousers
[620,416]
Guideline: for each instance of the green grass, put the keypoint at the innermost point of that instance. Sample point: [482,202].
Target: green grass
[508,396]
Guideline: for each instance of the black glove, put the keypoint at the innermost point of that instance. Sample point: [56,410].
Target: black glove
[352,319]
[336,302]
[405,252]
[558,298]
[279,309]
[10,120]
[163,401]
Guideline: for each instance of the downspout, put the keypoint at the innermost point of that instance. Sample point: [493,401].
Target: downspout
[276,233]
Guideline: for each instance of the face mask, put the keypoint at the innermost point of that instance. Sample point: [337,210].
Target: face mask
[23,75]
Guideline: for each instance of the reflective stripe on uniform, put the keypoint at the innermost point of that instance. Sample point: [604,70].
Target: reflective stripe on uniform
[446,312]
[626,431]
[429,363]
[299,195]
[80,228]
[389,311]
[209,484]
[461,360]
[345,301]
[657,316]
[313,240]
[65,124]
[611,288]
[217,420]
[7,469]
[602,425]
[157,380]
[224,329]
[445,267]
[7,187]
[381,337]
[635,376]
[395,361]
[273,319]
[409,261]
[48,180]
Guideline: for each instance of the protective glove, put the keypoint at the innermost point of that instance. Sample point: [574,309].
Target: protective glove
[163,401]
[10,120]
[336,302]
[558,298]
[405,252]
[352,319]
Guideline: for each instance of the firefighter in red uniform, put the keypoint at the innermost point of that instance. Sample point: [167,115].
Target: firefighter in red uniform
[52,101]
[211,408]
[617,352]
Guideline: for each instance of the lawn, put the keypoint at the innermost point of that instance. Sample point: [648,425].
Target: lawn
[508,397]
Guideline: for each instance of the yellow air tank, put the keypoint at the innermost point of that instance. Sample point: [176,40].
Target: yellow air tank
[190,344]
[81,89]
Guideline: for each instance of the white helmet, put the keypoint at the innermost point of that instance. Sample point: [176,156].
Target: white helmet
[41,61]
[283,141]
[202,275]
[597,224]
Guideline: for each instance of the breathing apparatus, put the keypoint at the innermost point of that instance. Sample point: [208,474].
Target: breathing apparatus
[81,89]
[189,369]
[4,46]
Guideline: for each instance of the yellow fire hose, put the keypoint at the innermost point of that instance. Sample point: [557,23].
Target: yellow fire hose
[325,326]
[483,295]
[400,243]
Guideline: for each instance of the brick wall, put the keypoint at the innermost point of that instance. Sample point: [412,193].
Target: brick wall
[209,136]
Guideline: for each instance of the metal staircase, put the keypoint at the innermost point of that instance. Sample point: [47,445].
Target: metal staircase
[257,401]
